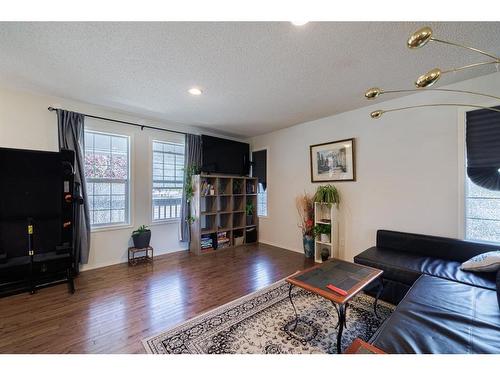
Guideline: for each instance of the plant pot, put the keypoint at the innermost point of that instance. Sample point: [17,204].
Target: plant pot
[325,238]
[308,242]
[141,240]
[325,254]
[249,219]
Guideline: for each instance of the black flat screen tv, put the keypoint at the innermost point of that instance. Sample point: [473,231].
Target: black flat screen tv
[31,186]
[225,156]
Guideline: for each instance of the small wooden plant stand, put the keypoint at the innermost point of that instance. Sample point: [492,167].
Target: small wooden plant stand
[144,255]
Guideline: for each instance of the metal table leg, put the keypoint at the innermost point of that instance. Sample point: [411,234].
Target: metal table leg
[342,318]
[379,293]
[338,314]
[293,305]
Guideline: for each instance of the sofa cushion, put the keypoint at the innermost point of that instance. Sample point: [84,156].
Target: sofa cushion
[451,270]
[442,316]
[407,267]
[433,246]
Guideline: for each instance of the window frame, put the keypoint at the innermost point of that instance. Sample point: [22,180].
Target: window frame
[462,174]
[267,149]
[164,139]
[128,186]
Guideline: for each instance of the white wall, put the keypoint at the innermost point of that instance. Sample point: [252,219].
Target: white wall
[408,167]
[26,123]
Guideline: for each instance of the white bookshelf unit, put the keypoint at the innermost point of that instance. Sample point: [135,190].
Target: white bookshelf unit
[327,215]
[218,207]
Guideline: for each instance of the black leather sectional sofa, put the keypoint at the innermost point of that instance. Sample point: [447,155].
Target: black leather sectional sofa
[440,309]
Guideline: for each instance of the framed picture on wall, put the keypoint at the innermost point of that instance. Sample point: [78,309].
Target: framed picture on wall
[333,161]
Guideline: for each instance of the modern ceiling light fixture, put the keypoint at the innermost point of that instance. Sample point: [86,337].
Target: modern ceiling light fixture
[299,23]
[195,91]
[417,40]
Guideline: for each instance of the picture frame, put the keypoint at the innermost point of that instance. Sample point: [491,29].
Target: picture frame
[333,161]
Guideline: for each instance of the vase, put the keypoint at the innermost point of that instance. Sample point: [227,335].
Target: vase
[325,254]
[325,238]
[308,242]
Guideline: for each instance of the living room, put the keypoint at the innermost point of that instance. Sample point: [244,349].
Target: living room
[261,187]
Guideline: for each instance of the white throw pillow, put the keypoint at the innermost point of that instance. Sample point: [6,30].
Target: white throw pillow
[487,262]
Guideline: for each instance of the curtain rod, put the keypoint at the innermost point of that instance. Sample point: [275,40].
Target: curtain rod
[123,122]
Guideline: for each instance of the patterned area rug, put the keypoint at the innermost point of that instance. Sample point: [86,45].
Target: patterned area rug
[262,322]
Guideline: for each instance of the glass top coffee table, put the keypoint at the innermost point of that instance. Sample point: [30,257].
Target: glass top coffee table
[327,278]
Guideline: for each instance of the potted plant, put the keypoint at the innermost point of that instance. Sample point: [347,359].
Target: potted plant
[141,237]
[323,231]
[237,186]
[249,210]
[327,194]
[305,209]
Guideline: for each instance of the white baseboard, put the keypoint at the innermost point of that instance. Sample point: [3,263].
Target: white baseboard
[282,247]
[88,267]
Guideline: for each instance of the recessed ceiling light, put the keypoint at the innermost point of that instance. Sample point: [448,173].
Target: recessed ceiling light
[195,91]
[299,23]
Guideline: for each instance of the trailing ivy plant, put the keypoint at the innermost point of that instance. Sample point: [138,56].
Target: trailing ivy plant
[188,185]
[327,194]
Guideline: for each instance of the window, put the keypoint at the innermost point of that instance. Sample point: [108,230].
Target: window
[482,216]
[168,180]
[482,191]
[107,176]
[261,200]
[259,170]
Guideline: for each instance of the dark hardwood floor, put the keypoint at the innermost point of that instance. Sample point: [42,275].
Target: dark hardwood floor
[117,306]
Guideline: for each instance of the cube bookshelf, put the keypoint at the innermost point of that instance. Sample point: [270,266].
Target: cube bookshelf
[219,208]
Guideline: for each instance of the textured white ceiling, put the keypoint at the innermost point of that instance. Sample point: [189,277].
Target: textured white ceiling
[256,76]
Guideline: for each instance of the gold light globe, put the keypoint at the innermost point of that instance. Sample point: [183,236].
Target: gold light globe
[429,78]
[376,114]
[419,38]
[373,93]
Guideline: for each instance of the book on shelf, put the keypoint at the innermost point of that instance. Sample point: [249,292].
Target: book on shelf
[206,242]
[222,240]
[207,189]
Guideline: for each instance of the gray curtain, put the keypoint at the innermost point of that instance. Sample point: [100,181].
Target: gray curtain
[192,159]
[71,136]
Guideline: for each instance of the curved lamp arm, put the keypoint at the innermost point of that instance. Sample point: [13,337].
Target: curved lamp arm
[378,113]
[467,47]
[375,92]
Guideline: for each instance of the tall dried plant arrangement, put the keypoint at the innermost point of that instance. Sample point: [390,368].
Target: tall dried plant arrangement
[305,209]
